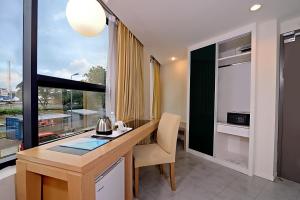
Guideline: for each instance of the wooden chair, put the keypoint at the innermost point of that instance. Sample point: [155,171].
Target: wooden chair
[162,152]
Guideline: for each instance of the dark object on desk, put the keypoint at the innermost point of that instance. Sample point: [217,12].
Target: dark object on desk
[134,124]
[69,150]
[238,118]
[85,143]
[104,126]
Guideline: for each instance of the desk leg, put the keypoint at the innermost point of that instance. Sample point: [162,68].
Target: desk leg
[28,184]
[75,191]
[20,180]
[128,176]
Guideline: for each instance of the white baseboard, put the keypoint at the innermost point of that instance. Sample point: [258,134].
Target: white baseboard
[220,162]
[226,164]
[201,155]
[265,176]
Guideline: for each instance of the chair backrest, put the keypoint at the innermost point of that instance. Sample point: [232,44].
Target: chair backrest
[167,132]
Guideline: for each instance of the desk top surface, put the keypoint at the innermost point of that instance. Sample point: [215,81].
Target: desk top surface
[79,163]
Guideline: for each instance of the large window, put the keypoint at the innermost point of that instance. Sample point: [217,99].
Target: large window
[11,34]
[64,53]
[68,68]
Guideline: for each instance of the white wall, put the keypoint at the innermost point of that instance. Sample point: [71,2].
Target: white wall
[233,90]
[173,87]
[267,91]
[266,99]
[7,183]
[290,25]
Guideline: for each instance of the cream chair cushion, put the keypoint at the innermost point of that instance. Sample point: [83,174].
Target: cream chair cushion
[167,132]
[151,154]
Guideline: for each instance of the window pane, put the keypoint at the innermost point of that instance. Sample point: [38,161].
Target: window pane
[64,112]
[63,52]
[11,39]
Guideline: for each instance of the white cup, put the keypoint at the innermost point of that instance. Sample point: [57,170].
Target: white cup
[121,126]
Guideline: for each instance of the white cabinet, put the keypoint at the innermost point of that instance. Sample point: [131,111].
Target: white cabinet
[233,143]
[111,184]
[234,93]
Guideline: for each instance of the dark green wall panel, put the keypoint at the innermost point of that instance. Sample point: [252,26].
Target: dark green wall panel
[202,99]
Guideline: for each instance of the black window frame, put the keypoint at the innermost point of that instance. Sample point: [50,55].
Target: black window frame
[32,80]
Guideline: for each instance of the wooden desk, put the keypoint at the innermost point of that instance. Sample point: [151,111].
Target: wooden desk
[45,174]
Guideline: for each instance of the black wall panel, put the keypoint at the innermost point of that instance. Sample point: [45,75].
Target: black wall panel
[202,99]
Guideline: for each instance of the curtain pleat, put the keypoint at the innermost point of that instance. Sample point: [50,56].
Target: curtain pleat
[156,102]
[130,83]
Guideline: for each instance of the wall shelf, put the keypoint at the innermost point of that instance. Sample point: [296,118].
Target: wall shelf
[235,59]
[235,56]
[231,129]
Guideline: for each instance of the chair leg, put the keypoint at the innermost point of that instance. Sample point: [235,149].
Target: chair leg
[172,176]
[162,169]
[136,182]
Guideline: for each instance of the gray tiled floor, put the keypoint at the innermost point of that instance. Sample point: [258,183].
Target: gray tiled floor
[199,179]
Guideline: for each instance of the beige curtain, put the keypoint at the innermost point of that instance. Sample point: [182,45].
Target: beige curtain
[130,83]
[156,101]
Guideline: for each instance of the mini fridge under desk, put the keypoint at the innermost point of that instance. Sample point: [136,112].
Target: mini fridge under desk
[111,184]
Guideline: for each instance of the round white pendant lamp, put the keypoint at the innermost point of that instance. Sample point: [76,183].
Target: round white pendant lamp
[86,16]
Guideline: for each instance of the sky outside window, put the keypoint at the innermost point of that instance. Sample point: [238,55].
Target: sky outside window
[11,42]
[63,51]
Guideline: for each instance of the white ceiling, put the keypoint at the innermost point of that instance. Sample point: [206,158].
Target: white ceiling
[168,27]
